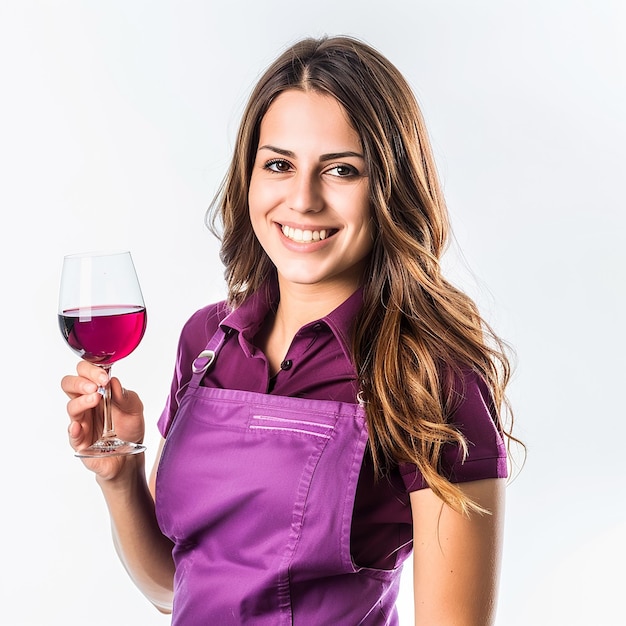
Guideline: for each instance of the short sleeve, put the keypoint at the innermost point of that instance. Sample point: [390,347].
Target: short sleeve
[194,337]
[475,419]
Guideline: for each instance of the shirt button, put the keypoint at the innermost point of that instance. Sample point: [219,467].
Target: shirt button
[286,364]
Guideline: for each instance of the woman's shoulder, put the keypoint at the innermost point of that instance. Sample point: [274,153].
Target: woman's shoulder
[206,319]
[202,324]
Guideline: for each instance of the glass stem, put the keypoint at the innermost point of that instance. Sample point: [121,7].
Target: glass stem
[105,392]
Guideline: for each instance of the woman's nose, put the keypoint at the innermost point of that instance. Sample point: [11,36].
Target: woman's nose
[305,194]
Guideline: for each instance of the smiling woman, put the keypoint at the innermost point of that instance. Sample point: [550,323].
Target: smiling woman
[345,405]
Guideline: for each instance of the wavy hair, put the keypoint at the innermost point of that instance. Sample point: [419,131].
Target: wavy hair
[416,334]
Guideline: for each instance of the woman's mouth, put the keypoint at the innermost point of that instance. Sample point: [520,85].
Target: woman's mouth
[305,236]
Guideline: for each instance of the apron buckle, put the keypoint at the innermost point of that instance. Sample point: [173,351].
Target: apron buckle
[203,361]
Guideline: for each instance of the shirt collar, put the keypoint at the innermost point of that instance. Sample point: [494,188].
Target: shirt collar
[340,320]
[248,317]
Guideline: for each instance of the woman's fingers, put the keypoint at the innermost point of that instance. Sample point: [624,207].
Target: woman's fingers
[92,372]
[81,402]
[79,433]
[74,431]
[74,386]
[89,378]
[126,400]
[81,411]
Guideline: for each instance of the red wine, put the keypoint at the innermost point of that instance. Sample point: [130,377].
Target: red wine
[103,334]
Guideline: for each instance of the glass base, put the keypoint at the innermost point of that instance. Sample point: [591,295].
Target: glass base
[110,447]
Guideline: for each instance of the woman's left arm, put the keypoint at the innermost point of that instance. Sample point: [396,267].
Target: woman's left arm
[456,558]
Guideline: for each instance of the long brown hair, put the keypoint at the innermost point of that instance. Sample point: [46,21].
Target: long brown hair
[416,333]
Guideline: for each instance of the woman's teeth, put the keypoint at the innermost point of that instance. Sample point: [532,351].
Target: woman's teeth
[304,236]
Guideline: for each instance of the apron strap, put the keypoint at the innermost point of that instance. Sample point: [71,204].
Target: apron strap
[206,359]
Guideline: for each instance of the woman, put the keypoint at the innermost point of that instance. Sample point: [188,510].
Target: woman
[343,406]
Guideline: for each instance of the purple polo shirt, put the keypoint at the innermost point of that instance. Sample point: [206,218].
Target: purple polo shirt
[318,365]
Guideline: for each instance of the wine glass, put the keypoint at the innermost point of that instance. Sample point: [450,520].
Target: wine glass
[102,317]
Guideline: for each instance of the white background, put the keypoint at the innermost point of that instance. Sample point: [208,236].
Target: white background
[117,121]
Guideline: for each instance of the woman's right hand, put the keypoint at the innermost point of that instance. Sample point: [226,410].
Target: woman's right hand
[85,411]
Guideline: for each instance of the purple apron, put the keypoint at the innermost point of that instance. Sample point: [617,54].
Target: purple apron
[257,491]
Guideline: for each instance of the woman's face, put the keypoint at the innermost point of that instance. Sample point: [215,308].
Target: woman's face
[309,195]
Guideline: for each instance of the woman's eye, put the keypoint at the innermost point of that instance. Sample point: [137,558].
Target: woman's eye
[342,171]
[278,165]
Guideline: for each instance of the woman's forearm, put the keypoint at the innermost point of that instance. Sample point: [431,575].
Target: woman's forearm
[144,551]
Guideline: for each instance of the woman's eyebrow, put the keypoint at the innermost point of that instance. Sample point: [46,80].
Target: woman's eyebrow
[287,153]
[330,156]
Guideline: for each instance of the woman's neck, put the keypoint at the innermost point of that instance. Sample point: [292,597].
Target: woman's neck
[298,305]
[302,304]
